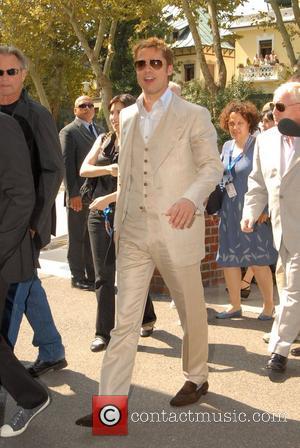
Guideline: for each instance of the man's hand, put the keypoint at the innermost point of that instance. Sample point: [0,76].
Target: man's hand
[182,214]
[76,203]
[247,225]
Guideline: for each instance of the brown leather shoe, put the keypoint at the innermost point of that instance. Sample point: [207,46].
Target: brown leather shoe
[295,351]
[189,394]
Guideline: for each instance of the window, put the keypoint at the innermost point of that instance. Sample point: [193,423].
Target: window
[189,72]
[265,47]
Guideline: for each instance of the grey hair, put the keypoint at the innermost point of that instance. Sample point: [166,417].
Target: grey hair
[11,50]
[293,88]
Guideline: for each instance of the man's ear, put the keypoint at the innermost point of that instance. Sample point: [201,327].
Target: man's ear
[24,74]
[170,70]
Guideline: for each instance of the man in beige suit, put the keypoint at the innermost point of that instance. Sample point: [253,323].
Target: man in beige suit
[168,165]
[275,180]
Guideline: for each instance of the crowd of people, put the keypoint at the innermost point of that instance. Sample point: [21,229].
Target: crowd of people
[268,59]
[143,206]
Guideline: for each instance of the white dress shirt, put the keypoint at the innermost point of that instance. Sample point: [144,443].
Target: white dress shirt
[150,120]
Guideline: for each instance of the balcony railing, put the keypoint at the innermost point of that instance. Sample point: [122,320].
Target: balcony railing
[262,73]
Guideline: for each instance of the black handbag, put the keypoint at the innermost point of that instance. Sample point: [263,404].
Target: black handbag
[215,199]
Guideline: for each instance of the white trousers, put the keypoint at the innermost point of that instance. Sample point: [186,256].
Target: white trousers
[138,255]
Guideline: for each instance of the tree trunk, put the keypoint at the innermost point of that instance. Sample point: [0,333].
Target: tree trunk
[284,33]
[38,85]
[208,79]
[222,72]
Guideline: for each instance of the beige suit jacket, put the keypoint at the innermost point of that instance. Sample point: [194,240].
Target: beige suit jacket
[281,193]
[185,164]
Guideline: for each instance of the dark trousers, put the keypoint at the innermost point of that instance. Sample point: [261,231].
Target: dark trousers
[26,391]
[79,250]
[103,250]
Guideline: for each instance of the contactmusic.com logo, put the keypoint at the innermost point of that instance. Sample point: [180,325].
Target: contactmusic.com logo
[110,415]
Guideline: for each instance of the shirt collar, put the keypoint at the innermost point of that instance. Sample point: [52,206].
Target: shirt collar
[163,102]
[85,123]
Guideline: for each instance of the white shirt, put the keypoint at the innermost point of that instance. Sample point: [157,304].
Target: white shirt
[150,120]
[86,125]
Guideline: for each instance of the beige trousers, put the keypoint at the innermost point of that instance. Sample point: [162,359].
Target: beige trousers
[287,321]
[140,250]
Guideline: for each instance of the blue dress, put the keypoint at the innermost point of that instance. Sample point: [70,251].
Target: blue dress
[236,248]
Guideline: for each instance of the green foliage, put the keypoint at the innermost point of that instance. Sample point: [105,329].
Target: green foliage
[122,69]
[194,92]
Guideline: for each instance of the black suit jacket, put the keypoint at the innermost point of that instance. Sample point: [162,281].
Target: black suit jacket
[47,165]
[17,199]
[76,141]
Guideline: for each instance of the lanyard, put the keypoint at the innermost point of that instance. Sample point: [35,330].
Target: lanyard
[233,162]
[106,212]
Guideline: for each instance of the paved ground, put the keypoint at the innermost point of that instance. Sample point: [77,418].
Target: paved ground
[239,386]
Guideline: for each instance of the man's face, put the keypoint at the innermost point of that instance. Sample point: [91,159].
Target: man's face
[152,80]
[290,105]
[84,108]
[11,86]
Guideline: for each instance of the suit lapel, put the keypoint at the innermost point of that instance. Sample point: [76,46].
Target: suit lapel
[296,157]
[167,134]
[127,133]
[83,130]
[127,130]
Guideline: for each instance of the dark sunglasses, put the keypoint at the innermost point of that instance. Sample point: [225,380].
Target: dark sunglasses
[154,63]
[10,71]
[280,106]
[85,105]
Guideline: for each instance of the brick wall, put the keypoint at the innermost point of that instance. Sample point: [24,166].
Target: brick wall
[211,274]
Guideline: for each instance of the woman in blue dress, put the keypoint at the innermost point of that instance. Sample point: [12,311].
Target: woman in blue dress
[238,249]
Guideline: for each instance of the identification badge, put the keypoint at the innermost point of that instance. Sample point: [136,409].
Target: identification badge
[231,191]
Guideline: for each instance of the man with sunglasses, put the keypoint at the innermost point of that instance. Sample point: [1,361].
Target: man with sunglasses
[169,163]
[41,136]
[76,140]
[17,199]
[275,180]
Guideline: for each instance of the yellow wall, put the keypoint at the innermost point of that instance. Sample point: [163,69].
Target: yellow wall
[181,60]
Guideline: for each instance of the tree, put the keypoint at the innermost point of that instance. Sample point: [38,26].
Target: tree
[192,18]
[219,13]
[55,59]
[95,25]
[283,30]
